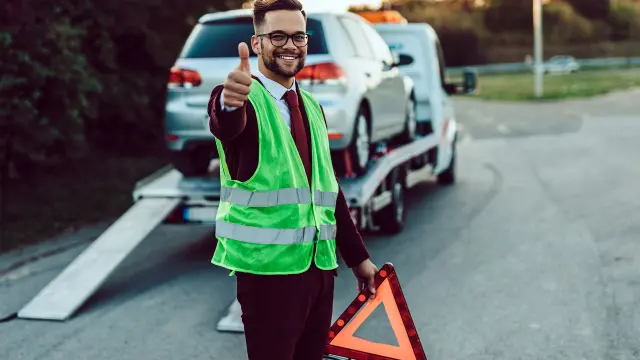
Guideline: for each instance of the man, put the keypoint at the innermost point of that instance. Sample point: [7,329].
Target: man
[282,213]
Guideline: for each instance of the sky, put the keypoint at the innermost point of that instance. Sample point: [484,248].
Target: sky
[331,4]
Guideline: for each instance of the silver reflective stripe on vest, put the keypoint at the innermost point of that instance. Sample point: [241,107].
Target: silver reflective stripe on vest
[244,197]
[267,236]
[325,198]
[328,232]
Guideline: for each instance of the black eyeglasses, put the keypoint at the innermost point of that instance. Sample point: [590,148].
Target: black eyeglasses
[279,39]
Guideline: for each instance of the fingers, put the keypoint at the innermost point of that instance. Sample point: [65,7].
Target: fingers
[233,99]
[239,77]
[233,103]
[371,284]
[236,88]
[243,52]
[361,285]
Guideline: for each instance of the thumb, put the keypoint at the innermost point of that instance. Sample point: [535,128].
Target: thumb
[243,51]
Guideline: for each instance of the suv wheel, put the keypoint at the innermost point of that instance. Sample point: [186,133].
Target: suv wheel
[410,126]
[360,147]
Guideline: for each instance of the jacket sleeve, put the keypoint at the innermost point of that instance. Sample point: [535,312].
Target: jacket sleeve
[348,238]
[225,125]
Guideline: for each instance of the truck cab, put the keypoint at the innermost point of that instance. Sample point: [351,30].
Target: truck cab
[418,49]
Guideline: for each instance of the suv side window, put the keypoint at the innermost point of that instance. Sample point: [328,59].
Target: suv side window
[349,43]
[380,47]
[358,37]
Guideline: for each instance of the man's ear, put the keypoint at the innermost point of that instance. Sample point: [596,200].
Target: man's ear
[255,44]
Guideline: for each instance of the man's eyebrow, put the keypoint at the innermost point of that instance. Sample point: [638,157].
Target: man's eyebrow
[284,32]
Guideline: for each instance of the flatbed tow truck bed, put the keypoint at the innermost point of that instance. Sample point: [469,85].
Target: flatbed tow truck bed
[375,200]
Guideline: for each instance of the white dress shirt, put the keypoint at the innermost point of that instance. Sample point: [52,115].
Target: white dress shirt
[276,90]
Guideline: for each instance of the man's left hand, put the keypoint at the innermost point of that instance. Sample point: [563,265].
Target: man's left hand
[365,272]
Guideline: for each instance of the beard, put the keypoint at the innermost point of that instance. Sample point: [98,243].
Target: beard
[287,71]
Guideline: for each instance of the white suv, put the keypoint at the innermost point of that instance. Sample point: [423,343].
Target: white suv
[349,69]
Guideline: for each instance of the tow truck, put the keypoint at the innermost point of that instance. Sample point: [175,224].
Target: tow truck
[375,199]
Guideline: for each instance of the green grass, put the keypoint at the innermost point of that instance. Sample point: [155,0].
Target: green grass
[584,83]
[83,193]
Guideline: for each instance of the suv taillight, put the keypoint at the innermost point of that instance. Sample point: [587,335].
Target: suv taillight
[179,77]
[321,72]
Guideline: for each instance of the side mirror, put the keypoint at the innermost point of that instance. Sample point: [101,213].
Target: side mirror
[468,86]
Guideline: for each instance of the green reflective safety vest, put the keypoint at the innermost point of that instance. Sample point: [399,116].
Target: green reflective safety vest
[271,223]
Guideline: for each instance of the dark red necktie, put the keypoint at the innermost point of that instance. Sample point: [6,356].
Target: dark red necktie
[299,132]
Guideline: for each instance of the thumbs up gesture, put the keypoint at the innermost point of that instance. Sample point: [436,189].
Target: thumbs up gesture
[238,83]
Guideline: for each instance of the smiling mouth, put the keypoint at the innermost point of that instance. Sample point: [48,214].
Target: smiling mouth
[287,57]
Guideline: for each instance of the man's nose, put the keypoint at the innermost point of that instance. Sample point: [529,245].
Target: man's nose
[289,44]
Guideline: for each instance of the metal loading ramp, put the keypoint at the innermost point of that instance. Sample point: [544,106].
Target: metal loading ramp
[81,278]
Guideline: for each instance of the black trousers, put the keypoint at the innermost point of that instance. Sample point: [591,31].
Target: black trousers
[286,317]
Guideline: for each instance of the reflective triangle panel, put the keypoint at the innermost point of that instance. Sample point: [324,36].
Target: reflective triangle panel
[342,341]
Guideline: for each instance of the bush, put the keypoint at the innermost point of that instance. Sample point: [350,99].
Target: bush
[624,22]
[460,32]
[562,24]
[509,17]
[461,47]
[592,9]
[47,87]
[82,75]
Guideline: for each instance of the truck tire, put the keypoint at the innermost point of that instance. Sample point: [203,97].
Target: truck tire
[448,176]
[391,219]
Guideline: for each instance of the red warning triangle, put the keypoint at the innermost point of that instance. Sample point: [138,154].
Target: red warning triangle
[343,343]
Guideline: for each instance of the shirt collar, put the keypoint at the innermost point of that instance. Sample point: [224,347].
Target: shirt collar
[276,90]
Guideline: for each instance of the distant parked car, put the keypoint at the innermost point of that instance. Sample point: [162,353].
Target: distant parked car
[561,64]
[349,69]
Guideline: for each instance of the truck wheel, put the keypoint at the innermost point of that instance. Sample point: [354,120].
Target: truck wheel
[391,219]
[448,176]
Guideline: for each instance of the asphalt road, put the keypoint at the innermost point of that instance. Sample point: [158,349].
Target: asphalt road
[533,254]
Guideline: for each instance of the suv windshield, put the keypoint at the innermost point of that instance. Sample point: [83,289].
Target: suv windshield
[220,38]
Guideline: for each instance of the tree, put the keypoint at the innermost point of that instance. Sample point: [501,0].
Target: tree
[81,75]
[592,9]
[509,16]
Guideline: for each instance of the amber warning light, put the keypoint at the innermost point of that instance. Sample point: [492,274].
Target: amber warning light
[344,344]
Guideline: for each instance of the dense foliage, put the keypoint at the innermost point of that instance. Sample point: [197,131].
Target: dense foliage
[81,75]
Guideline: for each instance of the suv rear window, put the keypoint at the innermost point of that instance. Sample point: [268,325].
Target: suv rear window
[220,38]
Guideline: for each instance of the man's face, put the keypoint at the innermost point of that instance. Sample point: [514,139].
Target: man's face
[286,60]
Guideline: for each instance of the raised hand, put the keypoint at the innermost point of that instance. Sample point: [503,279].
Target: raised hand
[238,83]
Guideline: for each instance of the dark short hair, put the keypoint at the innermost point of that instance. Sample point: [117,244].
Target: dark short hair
[262,7]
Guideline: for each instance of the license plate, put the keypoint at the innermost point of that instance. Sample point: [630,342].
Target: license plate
[203,214]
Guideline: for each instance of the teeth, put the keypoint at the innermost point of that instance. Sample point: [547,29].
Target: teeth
[288,57]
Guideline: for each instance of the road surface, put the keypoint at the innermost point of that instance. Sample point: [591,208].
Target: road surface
[534,254]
